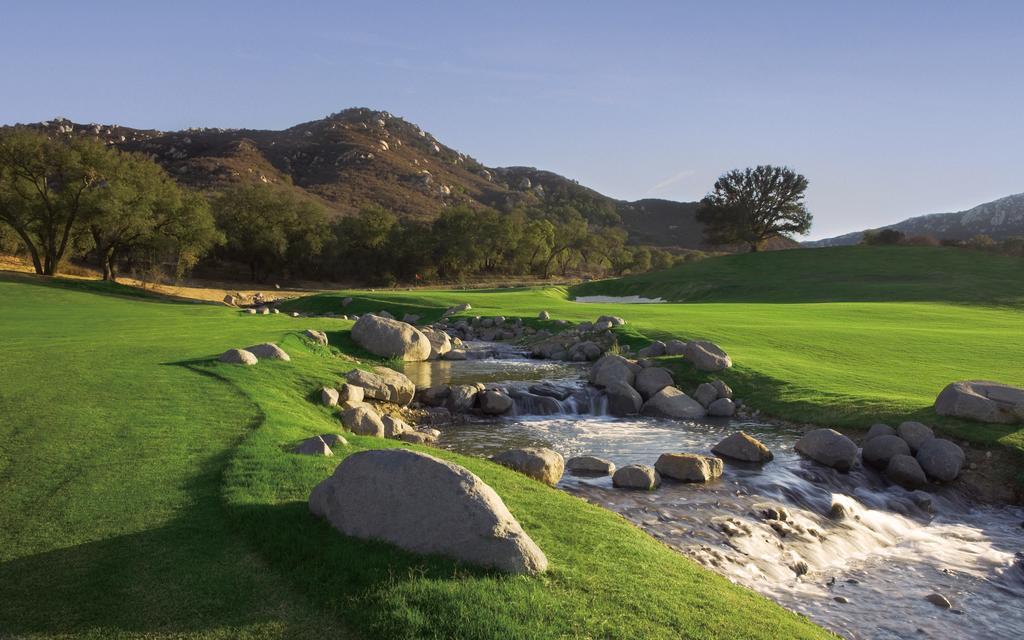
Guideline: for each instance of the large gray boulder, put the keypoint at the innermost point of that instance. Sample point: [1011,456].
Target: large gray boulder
[350,393]
[670,402]
[675,347]
[651,380]
[915,434]
[879,429]
[612,368]
[706,356]
[905,471]
[462,397]
[590,465]
[623,400]
[394,427]
[329,397]
[390,338]
[268,351]
[743,447]
[722,408]
[706,393]
[653,350]
[315,446]
[689,467]
[238,356]
[982,401]
[828,447]
[440,342]
[636,476]
[879,450]
[362,420]
[495,402]
[538,463]
[383,384]
[941,459]
[318,337]
[426,505]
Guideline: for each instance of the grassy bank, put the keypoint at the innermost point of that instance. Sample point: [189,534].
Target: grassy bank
[844,337]
[146,491]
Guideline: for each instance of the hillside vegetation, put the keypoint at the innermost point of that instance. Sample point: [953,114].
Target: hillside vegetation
[147,491]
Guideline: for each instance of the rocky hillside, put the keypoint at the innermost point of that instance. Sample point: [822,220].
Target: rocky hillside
[360,156]
[999,219]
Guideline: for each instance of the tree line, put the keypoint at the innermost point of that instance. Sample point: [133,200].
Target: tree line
[63,198]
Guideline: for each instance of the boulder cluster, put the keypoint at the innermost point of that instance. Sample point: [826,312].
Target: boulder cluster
[639,387]
[909,455]
[252,355]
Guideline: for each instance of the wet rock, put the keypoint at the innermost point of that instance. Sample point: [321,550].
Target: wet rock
[771,511]
[879,450]
[538,463]
[238,356]
[587,351]
[424,505]
[915,434]
[623,400]
[437,415]
[707,356]
[941,459]
[590,465]
[495,402]
[939,600]
[456,354]
[636,476]
[390,338]
[612,368]
[828,447]
[689,467]
[722,408]
[982,401]
[383,384]
[440,342]
[550,390]
[651,380]
[329,397]
[462,398]
[904,470]
[841,599]
[417,437]
[670,402]
[434,396]
[705,394]
[653,350]
[879,429]
[743,447]
[362,420]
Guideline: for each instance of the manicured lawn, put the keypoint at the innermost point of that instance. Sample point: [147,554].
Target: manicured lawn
[147,491]
[844,337]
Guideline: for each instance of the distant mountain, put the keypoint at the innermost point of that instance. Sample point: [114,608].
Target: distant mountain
[360,156]
[998,219]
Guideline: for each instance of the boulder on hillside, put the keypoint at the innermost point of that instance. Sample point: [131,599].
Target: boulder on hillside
[724,390]
[329,397]
[362,420]
[828,447]
[722,408]
[425,505]
[383,384]
[538,463]
[351,394]
[706,356]
[495,402]
[238,356]
[878,451]
[705,394]
[612,368]
[543,315]
[394,427]
[675,347]
[315,446]
[418,437]
[670,402]
[905,471]
[334,440]
[915,434]
[268,351]
[636,476]
[742,447]
[982,401]
[440,342]
[940,459]
[614,321]
[390,338]
[318,337]
[651,380]
[689,467]
[590,465]
[879,429]
[623,400]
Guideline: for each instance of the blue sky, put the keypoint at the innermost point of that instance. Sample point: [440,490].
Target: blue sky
[891,109]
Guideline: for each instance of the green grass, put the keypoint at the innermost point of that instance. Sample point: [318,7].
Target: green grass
[146,491]
[843,337]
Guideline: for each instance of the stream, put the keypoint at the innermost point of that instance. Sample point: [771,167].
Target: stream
[851,552]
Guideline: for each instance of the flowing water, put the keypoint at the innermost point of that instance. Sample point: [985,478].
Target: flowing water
[850,551]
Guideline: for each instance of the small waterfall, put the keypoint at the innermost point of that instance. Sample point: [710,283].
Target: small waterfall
[550,399]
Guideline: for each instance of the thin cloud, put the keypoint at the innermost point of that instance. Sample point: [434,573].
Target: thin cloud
[668,182]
